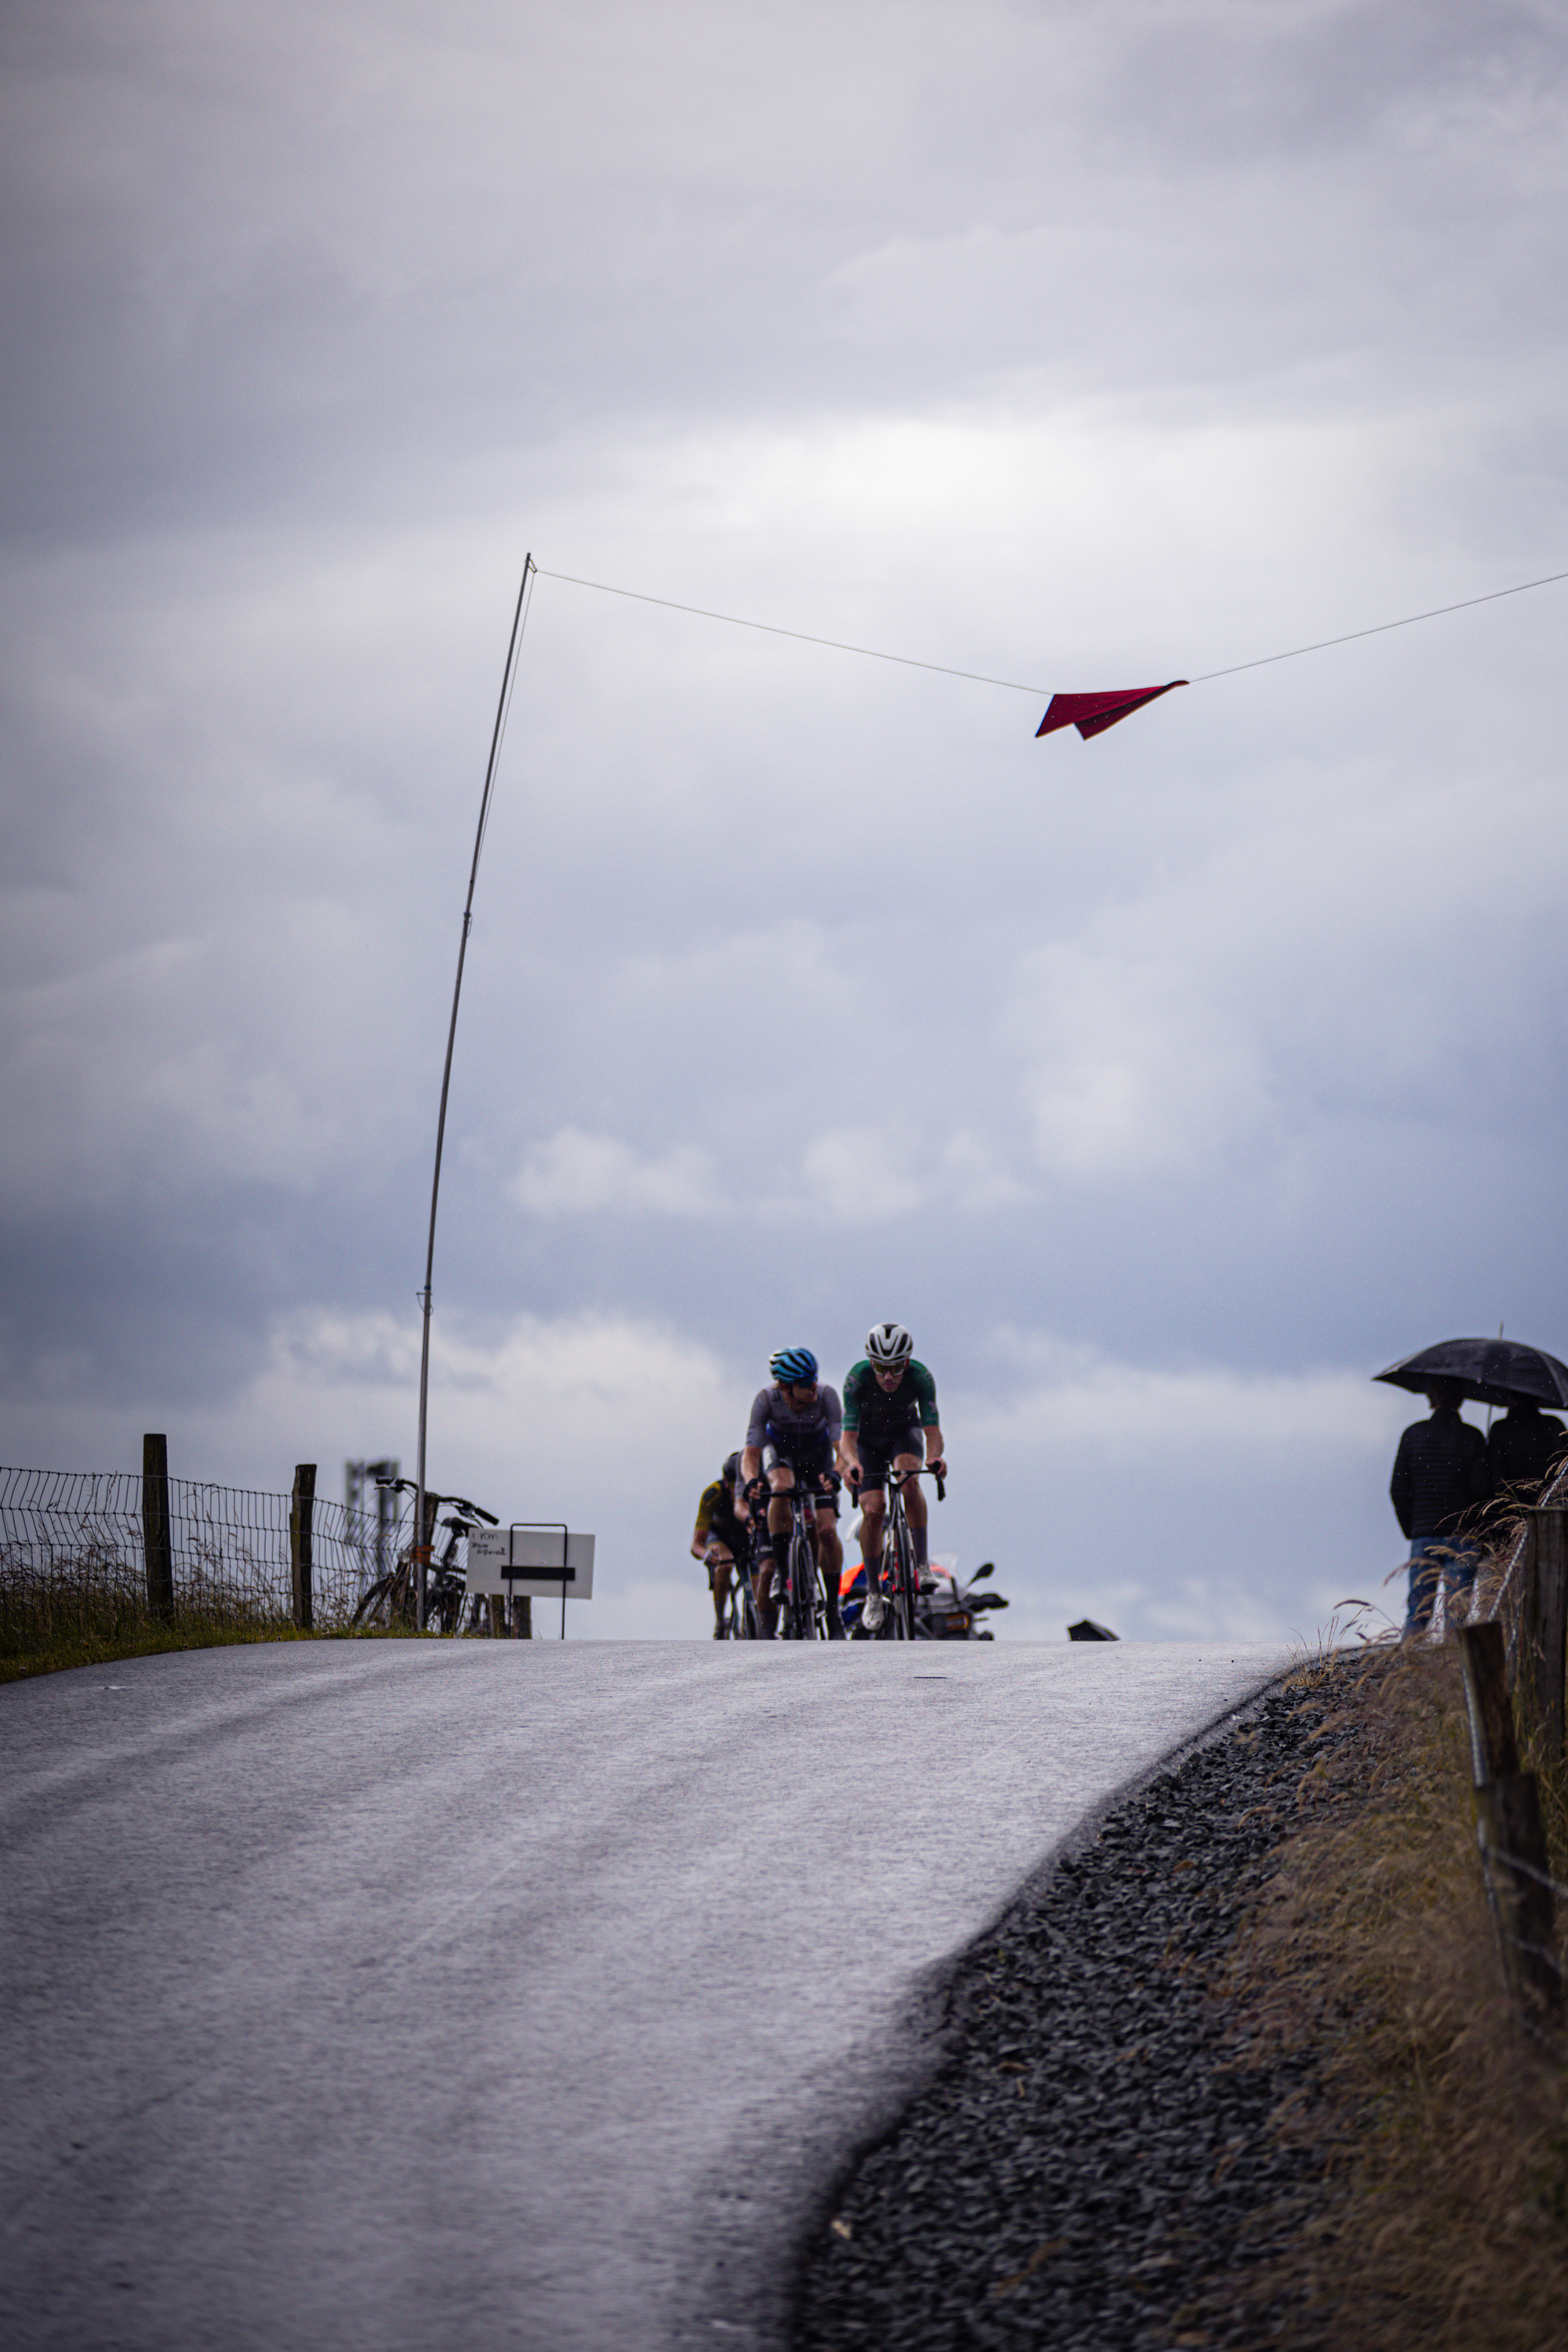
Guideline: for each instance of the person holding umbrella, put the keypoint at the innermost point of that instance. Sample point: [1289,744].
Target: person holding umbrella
[1525,1446]
[1444,1469]
[1441,1478]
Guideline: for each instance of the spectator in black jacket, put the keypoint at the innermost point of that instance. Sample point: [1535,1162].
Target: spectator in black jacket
[1523,1446]
[1441,1478]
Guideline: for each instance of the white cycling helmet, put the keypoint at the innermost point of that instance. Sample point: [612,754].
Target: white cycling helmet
[888,1344]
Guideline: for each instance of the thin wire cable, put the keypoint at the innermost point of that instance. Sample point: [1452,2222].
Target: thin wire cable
[835,645]
[976,677]
[1381,628]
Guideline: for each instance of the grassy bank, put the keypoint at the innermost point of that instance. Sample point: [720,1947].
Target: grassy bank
[88,1606]
[44,1629]
[1441,2124]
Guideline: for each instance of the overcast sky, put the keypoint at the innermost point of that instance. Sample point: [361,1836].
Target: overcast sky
[1167,1085]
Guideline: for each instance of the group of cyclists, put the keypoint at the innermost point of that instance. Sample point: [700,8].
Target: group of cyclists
[800,1433]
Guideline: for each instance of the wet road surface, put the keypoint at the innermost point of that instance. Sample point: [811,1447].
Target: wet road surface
[401,1995]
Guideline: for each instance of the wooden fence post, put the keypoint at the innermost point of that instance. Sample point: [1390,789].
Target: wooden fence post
[157,1544]
[302,1514]
[424,1555]
[1543,1627]
[1513,1842]
[1508,1824]
[1494,1750]
[520,1627]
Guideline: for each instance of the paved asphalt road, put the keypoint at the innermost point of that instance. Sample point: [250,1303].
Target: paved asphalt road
[409,1996]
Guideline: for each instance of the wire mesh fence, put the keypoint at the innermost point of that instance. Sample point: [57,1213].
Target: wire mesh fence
[74,1537]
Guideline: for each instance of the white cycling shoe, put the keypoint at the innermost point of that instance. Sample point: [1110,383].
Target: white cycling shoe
[928,1581]
[874,1613]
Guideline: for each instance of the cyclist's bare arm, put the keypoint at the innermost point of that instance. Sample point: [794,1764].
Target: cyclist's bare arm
[934,1450]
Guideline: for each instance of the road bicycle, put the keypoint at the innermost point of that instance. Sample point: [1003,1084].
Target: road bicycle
[802,1615]
[394,1599]
[740,1609]
[897,1571]
[802,1608]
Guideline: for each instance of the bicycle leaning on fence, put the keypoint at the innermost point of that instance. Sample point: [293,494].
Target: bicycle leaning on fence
[898,1576]
[394,1599]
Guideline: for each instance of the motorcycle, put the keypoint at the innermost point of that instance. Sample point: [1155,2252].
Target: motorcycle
[951,1613]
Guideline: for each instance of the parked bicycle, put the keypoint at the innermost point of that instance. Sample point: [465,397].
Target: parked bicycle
[394,1599]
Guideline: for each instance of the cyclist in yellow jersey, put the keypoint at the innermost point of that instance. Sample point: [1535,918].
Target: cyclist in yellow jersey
[718,1539]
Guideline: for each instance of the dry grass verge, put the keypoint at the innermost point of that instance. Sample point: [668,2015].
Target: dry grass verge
[87,1606]
[45,1628]
[1442,2123]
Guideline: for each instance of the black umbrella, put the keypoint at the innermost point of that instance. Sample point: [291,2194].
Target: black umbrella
[1496,1371]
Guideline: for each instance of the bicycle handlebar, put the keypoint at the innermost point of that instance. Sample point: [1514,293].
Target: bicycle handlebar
[410,1486]
[899,1478]
[757,1490]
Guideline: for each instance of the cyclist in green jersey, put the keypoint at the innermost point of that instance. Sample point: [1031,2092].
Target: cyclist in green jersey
[889,1419]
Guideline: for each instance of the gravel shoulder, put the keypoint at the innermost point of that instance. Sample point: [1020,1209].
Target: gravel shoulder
[1102,2141]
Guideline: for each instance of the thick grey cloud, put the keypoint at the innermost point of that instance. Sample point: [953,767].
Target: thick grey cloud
[1166,1085]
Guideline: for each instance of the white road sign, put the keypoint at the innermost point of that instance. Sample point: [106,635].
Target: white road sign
[524,1560]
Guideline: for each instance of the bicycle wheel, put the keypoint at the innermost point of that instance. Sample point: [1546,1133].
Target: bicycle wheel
[887,1584]
[444,1603]
[375,1607]
[389,1602]
[748,1629]
[903,1579]
[878,1581]
[815,1590]
[802,1586]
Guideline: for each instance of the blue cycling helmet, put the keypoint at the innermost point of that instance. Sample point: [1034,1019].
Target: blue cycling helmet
[796,1367]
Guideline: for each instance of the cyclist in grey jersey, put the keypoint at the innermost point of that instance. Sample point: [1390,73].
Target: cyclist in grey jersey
[793,1435]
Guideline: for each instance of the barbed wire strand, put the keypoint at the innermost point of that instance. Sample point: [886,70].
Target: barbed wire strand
[1517,1862]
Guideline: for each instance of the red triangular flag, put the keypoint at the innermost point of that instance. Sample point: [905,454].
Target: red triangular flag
[1092,714]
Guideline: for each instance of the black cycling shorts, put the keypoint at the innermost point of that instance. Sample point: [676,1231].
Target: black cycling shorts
[810,1458]
[879,1454]
[727,1529]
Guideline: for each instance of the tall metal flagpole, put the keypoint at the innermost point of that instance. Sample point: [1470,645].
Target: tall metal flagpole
[421,1538]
